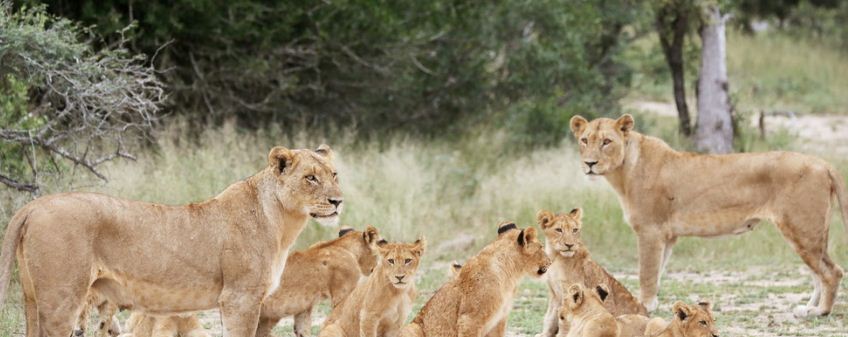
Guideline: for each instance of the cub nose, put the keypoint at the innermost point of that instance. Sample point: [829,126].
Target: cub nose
[400,277]
[569,245]
[590,163]
[335,201]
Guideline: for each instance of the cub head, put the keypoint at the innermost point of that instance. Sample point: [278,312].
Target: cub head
[577,296]
[305,181]
[399,261]
[525,247]
[365,246]
[694,320]
[562,232]
[602,142]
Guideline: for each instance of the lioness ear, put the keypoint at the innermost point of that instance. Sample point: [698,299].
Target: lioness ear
[371,235]
[506,226]
[544,218]
[420,244]
[706,305]
[280,159]
[681,310]
[325,151]
[344,230]
[603,291]
[578,124]
[624,124]
[576,214]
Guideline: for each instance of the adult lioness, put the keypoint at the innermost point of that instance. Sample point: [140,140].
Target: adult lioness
[666,194]
[227,252]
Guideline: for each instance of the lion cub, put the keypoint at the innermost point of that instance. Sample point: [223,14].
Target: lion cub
[583,312]
[477,301]
[379,306]
[329,269]
[688,321]
[572,264]
[144,325]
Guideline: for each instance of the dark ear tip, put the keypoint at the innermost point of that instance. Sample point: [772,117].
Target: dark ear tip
[506,227]
[344,231]
[382,242]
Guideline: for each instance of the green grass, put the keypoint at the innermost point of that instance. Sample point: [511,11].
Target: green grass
[408,187]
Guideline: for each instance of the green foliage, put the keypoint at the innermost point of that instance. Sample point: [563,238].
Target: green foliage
[422,66]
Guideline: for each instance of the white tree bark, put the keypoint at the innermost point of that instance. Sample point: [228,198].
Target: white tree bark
[714,131]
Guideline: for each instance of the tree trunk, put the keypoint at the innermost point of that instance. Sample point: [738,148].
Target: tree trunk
[714,132]
[671,23]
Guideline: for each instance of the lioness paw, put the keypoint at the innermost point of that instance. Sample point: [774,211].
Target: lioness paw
[803,311]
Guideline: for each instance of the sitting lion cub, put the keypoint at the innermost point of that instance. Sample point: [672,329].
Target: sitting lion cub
[144,325]
[379,306]
[572,264]
[329,269]
[477,301]
[583,313]
[689,321]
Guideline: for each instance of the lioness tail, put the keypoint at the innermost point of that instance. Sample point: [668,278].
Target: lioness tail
[7,254]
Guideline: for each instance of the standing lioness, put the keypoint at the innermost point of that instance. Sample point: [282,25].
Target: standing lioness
[666,194]
[227,252]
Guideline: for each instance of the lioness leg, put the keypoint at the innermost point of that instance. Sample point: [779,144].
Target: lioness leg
[499,330]
[267,324]
[303,324]
[651,251]
[815,298]
[108,326]
[240,313]
[411,330]
[30,307]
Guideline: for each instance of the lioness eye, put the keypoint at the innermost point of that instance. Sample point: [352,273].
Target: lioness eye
[311,178]
[559,230]
[584,140]
[607,141]
[407,261]
[575,230]
[391,261]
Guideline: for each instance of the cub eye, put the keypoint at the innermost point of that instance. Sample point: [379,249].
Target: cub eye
[584,140]
[559,230]
[607,141]
[704,323]
[575,231]
[391,261]
[312,178]
[407,261]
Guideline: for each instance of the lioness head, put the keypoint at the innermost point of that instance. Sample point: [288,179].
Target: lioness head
[562,231]
[399,261]
[694,320]
[306,181]
[365,246]
[602,142]
[576,296]
[525,248]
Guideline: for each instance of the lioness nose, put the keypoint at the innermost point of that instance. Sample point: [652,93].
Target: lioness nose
[590,163]
[335,201]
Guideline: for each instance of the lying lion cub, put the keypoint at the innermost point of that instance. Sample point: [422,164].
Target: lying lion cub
[689,321]
[330,269]
[379,306]
[144,325]
[572,264]
[583,313]
[477,301]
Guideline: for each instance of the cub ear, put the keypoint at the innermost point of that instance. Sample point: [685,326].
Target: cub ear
[382,243]
[544,218]
[681,310]
[575,295]
[706,305]
[530,235]
[280,159]
[325,151]
[576,214]
[344,230]
[624,124]
[603,291]
[578,124]
[420,245]
[455,268]
[506,226]
[371,235]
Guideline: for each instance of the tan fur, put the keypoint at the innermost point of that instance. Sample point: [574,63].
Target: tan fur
[380,305]
[631,325]
[227,252]
[477,302]
[573,264]
[583,313]
[144,325]
[329,269]
[688,321]
[667,194]
[107,324]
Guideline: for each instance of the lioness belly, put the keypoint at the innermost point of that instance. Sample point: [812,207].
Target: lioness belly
[158,299]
